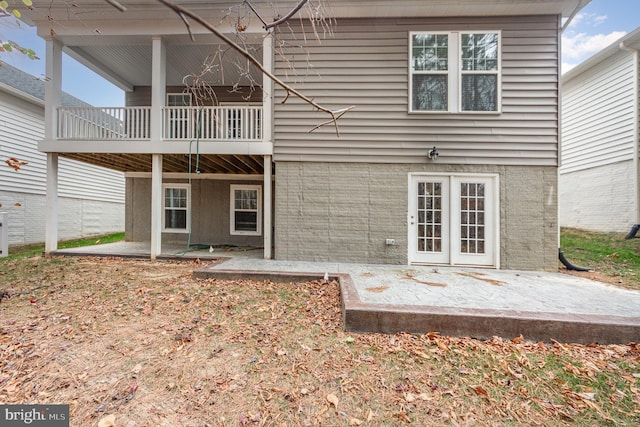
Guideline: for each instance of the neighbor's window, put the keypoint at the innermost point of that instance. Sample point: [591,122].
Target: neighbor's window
[246,209]
[455,72]
[175,212]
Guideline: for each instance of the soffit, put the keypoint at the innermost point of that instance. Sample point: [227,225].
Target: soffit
[133,63]
[117,45]
[100,10]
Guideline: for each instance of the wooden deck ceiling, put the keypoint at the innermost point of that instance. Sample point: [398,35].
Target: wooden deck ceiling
[178,163]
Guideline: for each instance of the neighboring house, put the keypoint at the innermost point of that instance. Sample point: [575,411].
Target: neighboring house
[91,198]
[476,81]
[599,172]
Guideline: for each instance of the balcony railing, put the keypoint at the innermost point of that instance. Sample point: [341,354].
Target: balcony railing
[110,123]
[213,123]
[232,123]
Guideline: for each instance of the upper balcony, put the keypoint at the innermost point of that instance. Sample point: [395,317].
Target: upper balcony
[218,130]
[187,123]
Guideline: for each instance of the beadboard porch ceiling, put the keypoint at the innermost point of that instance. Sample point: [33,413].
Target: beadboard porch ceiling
[176,163]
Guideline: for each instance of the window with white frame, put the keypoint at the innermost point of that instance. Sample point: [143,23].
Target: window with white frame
[246,209]
[454,72]
[175,208]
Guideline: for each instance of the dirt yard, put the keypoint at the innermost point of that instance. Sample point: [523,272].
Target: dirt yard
[139,343]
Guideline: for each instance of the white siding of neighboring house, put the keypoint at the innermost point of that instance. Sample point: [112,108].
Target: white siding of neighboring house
[366,64]
[597,115]
[598,199]
[91,199]
[596,183]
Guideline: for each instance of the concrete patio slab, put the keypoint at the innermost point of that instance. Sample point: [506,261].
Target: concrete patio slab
[480,303]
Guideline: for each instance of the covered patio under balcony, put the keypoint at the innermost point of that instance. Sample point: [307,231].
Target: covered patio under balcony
[211,140]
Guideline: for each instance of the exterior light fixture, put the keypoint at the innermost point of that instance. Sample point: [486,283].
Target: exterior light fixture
[433,154]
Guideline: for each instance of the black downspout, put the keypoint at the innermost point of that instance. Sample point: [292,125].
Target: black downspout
[570,266]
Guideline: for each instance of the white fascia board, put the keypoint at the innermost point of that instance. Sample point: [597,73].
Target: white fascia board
[163,147]
[194,176]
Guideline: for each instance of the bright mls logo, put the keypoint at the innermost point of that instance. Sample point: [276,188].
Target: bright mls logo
[34,415]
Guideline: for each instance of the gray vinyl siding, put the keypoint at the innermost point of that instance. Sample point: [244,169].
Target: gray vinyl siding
[141,95]
[365,64]
[210,213]
[597,115]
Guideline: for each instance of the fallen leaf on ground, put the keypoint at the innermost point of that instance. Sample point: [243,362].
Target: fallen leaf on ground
[108,421]
[333,399]
[479,276]
[378,289]
[481,391]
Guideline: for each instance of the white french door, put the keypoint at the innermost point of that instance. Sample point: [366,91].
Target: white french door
[453,219]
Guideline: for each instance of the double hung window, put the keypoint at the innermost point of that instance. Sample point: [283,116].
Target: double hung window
[454,72]
[246,209]
[175,208]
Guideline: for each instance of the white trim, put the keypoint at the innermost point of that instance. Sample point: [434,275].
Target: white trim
[187,208]
[495,217]
[158,88]
[444,255]
[436,72]
[211,176]
[268,219]
[232,210]
[454,73]
[497,73]
[156,205]
[241,104]
[51,221]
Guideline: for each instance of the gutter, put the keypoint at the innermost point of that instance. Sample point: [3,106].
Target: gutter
[636,141]
[579,5]
[20,94]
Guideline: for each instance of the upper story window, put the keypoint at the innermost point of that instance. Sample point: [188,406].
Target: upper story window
[454,72]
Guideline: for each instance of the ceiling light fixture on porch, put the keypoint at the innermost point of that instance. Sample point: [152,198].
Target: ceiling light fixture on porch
[433,154]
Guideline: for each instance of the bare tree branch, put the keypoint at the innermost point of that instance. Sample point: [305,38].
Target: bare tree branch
[335,114]
[117,5]
[287,16]
[255,12]
[279,20]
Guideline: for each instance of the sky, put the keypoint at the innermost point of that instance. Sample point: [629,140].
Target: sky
[598,25]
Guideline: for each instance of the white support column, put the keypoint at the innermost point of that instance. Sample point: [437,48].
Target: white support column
[156,206]
[51,233]
[52,87]
[53,96]
[158,87]
[158,90]
[268,209]
[267,136]
[267,89]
